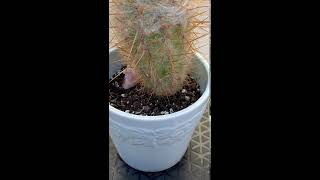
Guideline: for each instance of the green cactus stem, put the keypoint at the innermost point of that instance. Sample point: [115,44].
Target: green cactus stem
[156,42]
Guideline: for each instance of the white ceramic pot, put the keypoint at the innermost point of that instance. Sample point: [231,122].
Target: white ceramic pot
[156,143]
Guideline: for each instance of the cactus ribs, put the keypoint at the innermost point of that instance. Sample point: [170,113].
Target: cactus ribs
[156,40]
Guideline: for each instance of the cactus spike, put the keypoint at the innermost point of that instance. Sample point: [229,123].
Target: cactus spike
[157,41]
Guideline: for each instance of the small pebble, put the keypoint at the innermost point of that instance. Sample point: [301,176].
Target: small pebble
[187,98]
[184,91]
[127,111]
[137,112]
[123,95]
[164,112]
[146,108]
[198,89]
[136,104]
[171,110]
[116,84]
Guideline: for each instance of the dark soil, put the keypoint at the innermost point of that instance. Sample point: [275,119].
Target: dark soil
[136,101]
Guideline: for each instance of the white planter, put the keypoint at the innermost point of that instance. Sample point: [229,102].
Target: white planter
[156,143]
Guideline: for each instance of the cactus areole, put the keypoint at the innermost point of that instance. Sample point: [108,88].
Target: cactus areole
[156,43]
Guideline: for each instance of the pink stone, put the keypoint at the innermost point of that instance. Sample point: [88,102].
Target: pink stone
[130,78]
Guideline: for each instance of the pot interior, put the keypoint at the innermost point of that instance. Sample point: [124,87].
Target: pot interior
[199,71]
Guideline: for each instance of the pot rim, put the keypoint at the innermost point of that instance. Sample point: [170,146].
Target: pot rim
[204,97]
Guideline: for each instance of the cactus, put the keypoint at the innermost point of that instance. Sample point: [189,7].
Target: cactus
[155,41]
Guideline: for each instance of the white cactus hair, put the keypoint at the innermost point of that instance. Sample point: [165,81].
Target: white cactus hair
[156,41]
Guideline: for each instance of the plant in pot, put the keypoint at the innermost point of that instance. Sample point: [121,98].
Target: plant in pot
[158,84]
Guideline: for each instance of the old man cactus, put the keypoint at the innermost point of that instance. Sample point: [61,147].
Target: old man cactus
[156,42]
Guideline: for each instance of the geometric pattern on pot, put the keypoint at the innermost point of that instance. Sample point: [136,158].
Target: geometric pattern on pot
[152,138]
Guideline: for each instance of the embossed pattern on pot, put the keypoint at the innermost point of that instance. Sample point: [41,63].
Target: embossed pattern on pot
[152,137]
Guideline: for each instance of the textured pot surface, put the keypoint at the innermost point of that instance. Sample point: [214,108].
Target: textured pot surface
[156,143]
